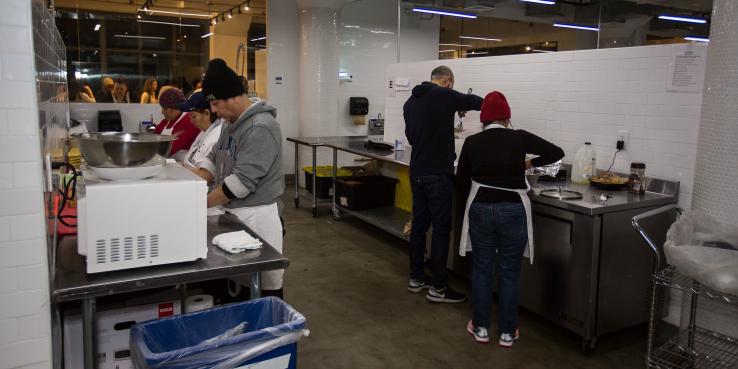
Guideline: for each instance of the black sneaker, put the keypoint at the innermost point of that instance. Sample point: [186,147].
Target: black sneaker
[445,294]
[416,286]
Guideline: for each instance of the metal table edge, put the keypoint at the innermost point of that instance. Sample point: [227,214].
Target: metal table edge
[130,285]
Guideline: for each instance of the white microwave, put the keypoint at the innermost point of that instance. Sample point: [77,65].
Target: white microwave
[138,223]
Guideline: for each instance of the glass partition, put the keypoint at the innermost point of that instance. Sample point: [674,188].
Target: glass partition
[127,49]
[520,26]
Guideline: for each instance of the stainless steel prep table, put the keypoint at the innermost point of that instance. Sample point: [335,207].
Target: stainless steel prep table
[313,143]
[389,219]
[71,282]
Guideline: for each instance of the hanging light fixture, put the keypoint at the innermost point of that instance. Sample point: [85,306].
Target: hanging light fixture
[230,14]
[246,6]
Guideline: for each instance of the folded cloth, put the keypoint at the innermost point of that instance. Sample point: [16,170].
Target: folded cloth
[235,242]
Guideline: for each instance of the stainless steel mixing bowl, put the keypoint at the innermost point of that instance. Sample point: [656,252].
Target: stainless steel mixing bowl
[122,150]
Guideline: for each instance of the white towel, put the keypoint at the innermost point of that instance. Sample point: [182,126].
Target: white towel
[235,242]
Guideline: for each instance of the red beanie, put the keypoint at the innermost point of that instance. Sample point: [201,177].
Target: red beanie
[494,107]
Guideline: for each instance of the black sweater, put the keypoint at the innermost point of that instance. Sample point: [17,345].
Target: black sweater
[496,157]
[429,127]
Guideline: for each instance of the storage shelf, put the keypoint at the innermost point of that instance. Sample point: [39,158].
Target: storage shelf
[669,277]
[303,193]
[389,219]
[709,350]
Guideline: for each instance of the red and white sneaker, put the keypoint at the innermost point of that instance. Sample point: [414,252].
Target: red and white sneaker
[480,334]
[507,339]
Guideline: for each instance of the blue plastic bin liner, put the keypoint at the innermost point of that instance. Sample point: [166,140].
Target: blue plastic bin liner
[224,337]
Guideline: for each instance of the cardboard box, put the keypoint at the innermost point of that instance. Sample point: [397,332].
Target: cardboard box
[113,333]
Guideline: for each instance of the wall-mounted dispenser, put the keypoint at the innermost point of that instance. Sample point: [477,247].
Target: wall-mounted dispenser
[359,108]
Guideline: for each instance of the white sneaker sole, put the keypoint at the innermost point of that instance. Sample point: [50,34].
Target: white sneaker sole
[476,338]
[432,298]
[417,289]
[505,344]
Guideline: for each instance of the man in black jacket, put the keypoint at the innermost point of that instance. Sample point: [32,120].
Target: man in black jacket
[429,127]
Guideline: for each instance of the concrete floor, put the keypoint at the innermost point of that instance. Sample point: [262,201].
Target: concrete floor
[349,280]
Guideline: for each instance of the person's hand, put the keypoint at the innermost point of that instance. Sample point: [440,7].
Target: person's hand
[462,114]
[528,164]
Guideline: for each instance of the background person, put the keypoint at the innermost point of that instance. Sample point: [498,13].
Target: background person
[106,91]
[176,123]
[209,125]
[491,182]
[148,95]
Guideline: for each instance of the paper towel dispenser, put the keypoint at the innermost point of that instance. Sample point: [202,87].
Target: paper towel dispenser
[109,121]
[358,106]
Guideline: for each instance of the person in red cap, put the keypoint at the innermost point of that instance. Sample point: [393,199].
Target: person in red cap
[176,123]
[491,181]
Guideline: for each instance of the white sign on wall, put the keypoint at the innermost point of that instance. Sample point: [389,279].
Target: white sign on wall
[687,73]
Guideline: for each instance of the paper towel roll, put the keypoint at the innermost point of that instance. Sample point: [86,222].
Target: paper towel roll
[359,120]
[198,302]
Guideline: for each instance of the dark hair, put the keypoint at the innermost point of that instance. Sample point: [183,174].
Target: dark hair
[245,83]
[213,116]
[442,71]
[121,81]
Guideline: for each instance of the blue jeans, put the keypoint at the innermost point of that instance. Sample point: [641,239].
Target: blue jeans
[497,231]
[432,199]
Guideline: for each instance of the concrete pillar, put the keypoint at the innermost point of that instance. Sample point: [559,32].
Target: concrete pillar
[319,64]
[716,179]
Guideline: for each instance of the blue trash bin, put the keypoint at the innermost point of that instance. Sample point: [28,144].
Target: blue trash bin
[224,337]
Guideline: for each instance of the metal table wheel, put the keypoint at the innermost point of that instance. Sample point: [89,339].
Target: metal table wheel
[337,213]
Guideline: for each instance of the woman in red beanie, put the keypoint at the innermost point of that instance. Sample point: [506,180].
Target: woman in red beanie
[176,123]
[497,222]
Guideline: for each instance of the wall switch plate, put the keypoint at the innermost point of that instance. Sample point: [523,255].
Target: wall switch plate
[625,137]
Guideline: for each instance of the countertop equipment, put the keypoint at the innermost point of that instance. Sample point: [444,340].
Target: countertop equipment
[122,150]
[561,194]
[136,223]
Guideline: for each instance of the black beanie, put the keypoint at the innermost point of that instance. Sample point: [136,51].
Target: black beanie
[221,82]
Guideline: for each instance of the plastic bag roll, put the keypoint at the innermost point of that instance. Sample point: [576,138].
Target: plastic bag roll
[198,303]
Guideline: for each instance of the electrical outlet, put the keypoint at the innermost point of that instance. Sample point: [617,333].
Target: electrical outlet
[625,137]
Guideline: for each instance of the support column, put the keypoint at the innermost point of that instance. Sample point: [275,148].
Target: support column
[319,64]
[716,179]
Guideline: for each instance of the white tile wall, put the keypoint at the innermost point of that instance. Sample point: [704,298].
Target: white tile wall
[577,96]
[25,337]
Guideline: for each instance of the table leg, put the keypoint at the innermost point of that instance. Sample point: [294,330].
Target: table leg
[297,175]
[315,175]
[255,288]
[89,332]
[337,215]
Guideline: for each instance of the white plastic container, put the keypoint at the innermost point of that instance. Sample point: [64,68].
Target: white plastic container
[584,165]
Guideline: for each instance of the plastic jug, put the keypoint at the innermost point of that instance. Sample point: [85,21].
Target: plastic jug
[584,165]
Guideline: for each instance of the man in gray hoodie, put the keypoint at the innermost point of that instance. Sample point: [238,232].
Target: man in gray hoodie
[245,164]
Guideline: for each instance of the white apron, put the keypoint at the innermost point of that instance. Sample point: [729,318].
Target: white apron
[466,245]
[264,221]
[179,155]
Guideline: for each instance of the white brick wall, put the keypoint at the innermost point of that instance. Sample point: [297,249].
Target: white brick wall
[25,337]
[577,96]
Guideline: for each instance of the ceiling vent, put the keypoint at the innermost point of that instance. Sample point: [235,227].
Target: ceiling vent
[479,5]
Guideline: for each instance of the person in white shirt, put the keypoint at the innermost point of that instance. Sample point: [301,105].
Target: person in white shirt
[207,122]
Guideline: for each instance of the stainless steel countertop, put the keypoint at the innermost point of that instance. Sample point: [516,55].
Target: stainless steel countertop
[661,192]
[73,283]
[590,203]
